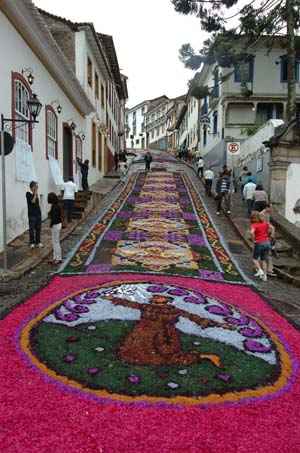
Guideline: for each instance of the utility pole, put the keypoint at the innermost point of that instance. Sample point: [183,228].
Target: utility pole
[291,61]
[3,196]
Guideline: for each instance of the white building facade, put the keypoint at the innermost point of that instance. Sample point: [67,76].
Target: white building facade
[136,137]
[235,112]
[46,152]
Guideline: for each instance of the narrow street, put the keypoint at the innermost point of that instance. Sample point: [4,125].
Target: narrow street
[152,328]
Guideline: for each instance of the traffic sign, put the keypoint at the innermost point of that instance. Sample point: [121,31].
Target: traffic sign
[234,148]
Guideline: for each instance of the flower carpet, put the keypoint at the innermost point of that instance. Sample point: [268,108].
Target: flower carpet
[162,350]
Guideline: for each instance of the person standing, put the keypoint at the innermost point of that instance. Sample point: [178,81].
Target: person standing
[200,167]
[55,225]
[148,160]
[116,160]
[261,232]
[248,193]
[261,198]
[69,189]
[266,215]
[223,191]
[208,181]
[243,178]
[84,167]
[34,216]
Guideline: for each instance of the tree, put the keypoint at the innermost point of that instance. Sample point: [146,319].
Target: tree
[260,19]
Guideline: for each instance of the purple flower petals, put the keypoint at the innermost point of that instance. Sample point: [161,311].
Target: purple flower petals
[256,346]
[196,239]
[98,268]
[134,379]
[113,235]
[156,289]
[69,358]
[93,371]
[252,332]
[224,377]
[67,317]
[219,310]
[210,275]
[178,292]
[124,215]
[242,321]
[194,300]
[75,308]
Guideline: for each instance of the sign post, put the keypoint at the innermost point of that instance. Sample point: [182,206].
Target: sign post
[3,197]
[233,149]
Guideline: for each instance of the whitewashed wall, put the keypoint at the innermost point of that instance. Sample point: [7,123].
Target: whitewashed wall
[18,55]
[192,124]
[266,75]
[82,52]
[140,119]
[253,144]
[292,192]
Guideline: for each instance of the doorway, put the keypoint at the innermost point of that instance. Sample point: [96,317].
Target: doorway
[67,152]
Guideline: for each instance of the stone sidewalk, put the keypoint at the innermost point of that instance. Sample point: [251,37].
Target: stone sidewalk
[283,296]
[22,259]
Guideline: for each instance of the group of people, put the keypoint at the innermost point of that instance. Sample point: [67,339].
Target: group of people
[57,216]
[258,210]
[222,187]
[262,231]
[254,194]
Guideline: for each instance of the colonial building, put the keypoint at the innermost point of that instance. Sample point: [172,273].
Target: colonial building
[172,119]
[251,95]
[93,57]
[136,137]
[188,124]
[76,80]
[156,122]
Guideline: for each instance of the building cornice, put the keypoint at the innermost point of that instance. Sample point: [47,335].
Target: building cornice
[31,26]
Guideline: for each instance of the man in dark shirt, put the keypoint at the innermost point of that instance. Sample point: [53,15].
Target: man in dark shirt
[84,167]
[34,216]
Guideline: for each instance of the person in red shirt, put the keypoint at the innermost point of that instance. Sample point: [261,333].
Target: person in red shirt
[261,233]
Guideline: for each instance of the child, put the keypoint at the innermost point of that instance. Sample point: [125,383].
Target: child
[55,225]
[261,231]
[266,214]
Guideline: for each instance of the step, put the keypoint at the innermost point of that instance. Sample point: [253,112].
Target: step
[287,262]
[283,247]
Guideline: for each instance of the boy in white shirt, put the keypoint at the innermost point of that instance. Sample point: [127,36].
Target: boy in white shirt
[208,180]
[248,193]
[69,189]
[200,165]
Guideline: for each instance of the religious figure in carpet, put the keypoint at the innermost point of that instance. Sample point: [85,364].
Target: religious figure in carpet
[155,340]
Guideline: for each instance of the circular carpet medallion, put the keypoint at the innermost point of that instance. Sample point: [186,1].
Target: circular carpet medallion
[156,342]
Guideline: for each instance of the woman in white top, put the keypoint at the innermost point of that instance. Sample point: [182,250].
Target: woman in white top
[69,189]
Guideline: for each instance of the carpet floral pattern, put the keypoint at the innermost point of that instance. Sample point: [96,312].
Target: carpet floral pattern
[150,340]
[159,224]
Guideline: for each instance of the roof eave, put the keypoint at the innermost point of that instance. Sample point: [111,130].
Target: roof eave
[31,26]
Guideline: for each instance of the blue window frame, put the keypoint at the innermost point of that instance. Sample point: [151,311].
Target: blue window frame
[247,69]
[204,108]
[215,123]
[215,90]
[204,136]
[284,69]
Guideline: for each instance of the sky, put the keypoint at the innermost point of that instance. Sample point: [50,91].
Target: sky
[147,35]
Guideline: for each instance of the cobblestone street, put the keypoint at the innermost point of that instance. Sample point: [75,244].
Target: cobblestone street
[153,309]
[283,296]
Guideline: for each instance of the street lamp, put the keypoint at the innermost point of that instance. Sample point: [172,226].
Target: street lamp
[34,107]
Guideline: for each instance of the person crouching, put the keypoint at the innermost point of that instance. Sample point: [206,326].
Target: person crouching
[55,225]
